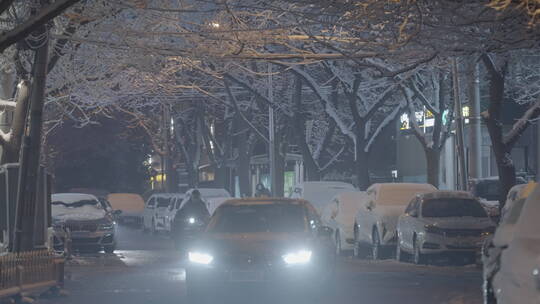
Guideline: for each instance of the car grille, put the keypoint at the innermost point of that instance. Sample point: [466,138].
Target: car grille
[463,232]
[85,241]
[81,227]
[241,261]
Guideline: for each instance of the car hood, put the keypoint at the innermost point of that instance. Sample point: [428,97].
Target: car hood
[85,213]
[467,222]
[253,243]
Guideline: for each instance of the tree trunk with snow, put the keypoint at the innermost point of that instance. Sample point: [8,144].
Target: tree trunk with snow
[502,144]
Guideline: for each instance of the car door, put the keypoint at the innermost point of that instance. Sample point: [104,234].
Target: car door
[148,213]
[367,217]
[408,223]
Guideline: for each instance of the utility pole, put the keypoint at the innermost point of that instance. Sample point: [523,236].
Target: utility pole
[475,127]
[30,150]
[538,150]
[459,128]
[271,135]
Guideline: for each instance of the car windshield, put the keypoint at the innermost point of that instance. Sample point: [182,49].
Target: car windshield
[163,202]
[513,214]
[259,218]
[78,204]
[452,207]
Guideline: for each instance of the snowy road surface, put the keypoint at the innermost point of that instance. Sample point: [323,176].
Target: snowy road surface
[145,269]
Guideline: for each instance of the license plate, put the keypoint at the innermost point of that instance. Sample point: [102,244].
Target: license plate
[246,276]
[465,244]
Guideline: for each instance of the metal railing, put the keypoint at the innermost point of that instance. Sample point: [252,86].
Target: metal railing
[30,271]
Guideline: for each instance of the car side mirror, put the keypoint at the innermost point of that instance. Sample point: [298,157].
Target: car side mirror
[117,212]
[369,206]
[325,231]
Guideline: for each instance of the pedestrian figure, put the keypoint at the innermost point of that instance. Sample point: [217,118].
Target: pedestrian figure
[190,219]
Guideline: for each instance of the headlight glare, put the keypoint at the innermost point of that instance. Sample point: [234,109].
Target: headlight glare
[200,258]
[298,257]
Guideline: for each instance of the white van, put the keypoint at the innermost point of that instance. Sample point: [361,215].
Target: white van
[320,194]
[340,215]
[376,220]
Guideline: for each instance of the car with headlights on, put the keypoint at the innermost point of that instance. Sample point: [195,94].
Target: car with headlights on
[89,225]
[442,222]
[265,242]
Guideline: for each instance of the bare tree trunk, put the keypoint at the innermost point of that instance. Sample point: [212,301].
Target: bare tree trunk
[29,163]
[362,167]
[433,157]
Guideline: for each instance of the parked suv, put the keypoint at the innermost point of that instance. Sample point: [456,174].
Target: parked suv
[158,211]
[376,220]
[90,226]
[442,222]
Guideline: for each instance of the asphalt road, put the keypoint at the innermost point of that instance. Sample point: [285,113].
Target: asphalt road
[146,269]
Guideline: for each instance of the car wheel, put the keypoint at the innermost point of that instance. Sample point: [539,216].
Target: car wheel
[109,248]
[376,246]
[489,295]
[419,258]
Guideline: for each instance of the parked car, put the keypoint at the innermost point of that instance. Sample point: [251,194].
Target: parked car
[518,277]
[376,220]
[442,222]
[131,205]
[213,197]
[168,216]
[487,189]
[154,212]
[340,215]
[320,194]
[89,225]
[495,245]
[277,243]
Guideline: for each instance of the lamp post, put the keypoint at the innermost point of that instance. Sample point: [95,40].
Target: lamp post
[271,134]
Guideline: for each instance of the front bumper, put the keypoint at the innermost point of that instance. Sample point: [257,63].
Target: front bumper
[83,239]
[279,277]
[434,244]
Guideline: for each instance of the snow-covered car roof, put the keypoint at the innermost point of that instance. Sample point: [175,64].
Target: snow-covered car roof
[402,193]
[126,201]
[69,198]
[447,194]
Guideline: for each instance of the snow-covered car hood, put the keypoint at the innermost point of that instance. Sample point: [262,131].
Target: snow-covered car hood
[84,213]
[466,222]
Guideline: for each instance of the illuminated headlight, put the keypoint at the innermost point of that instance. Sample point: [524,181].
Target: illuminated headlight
[191,220]
[107,226]
[298,257]
[200,258]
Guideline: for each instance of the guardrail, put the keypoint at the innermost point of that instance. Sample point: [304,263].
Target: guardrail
[28,272]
